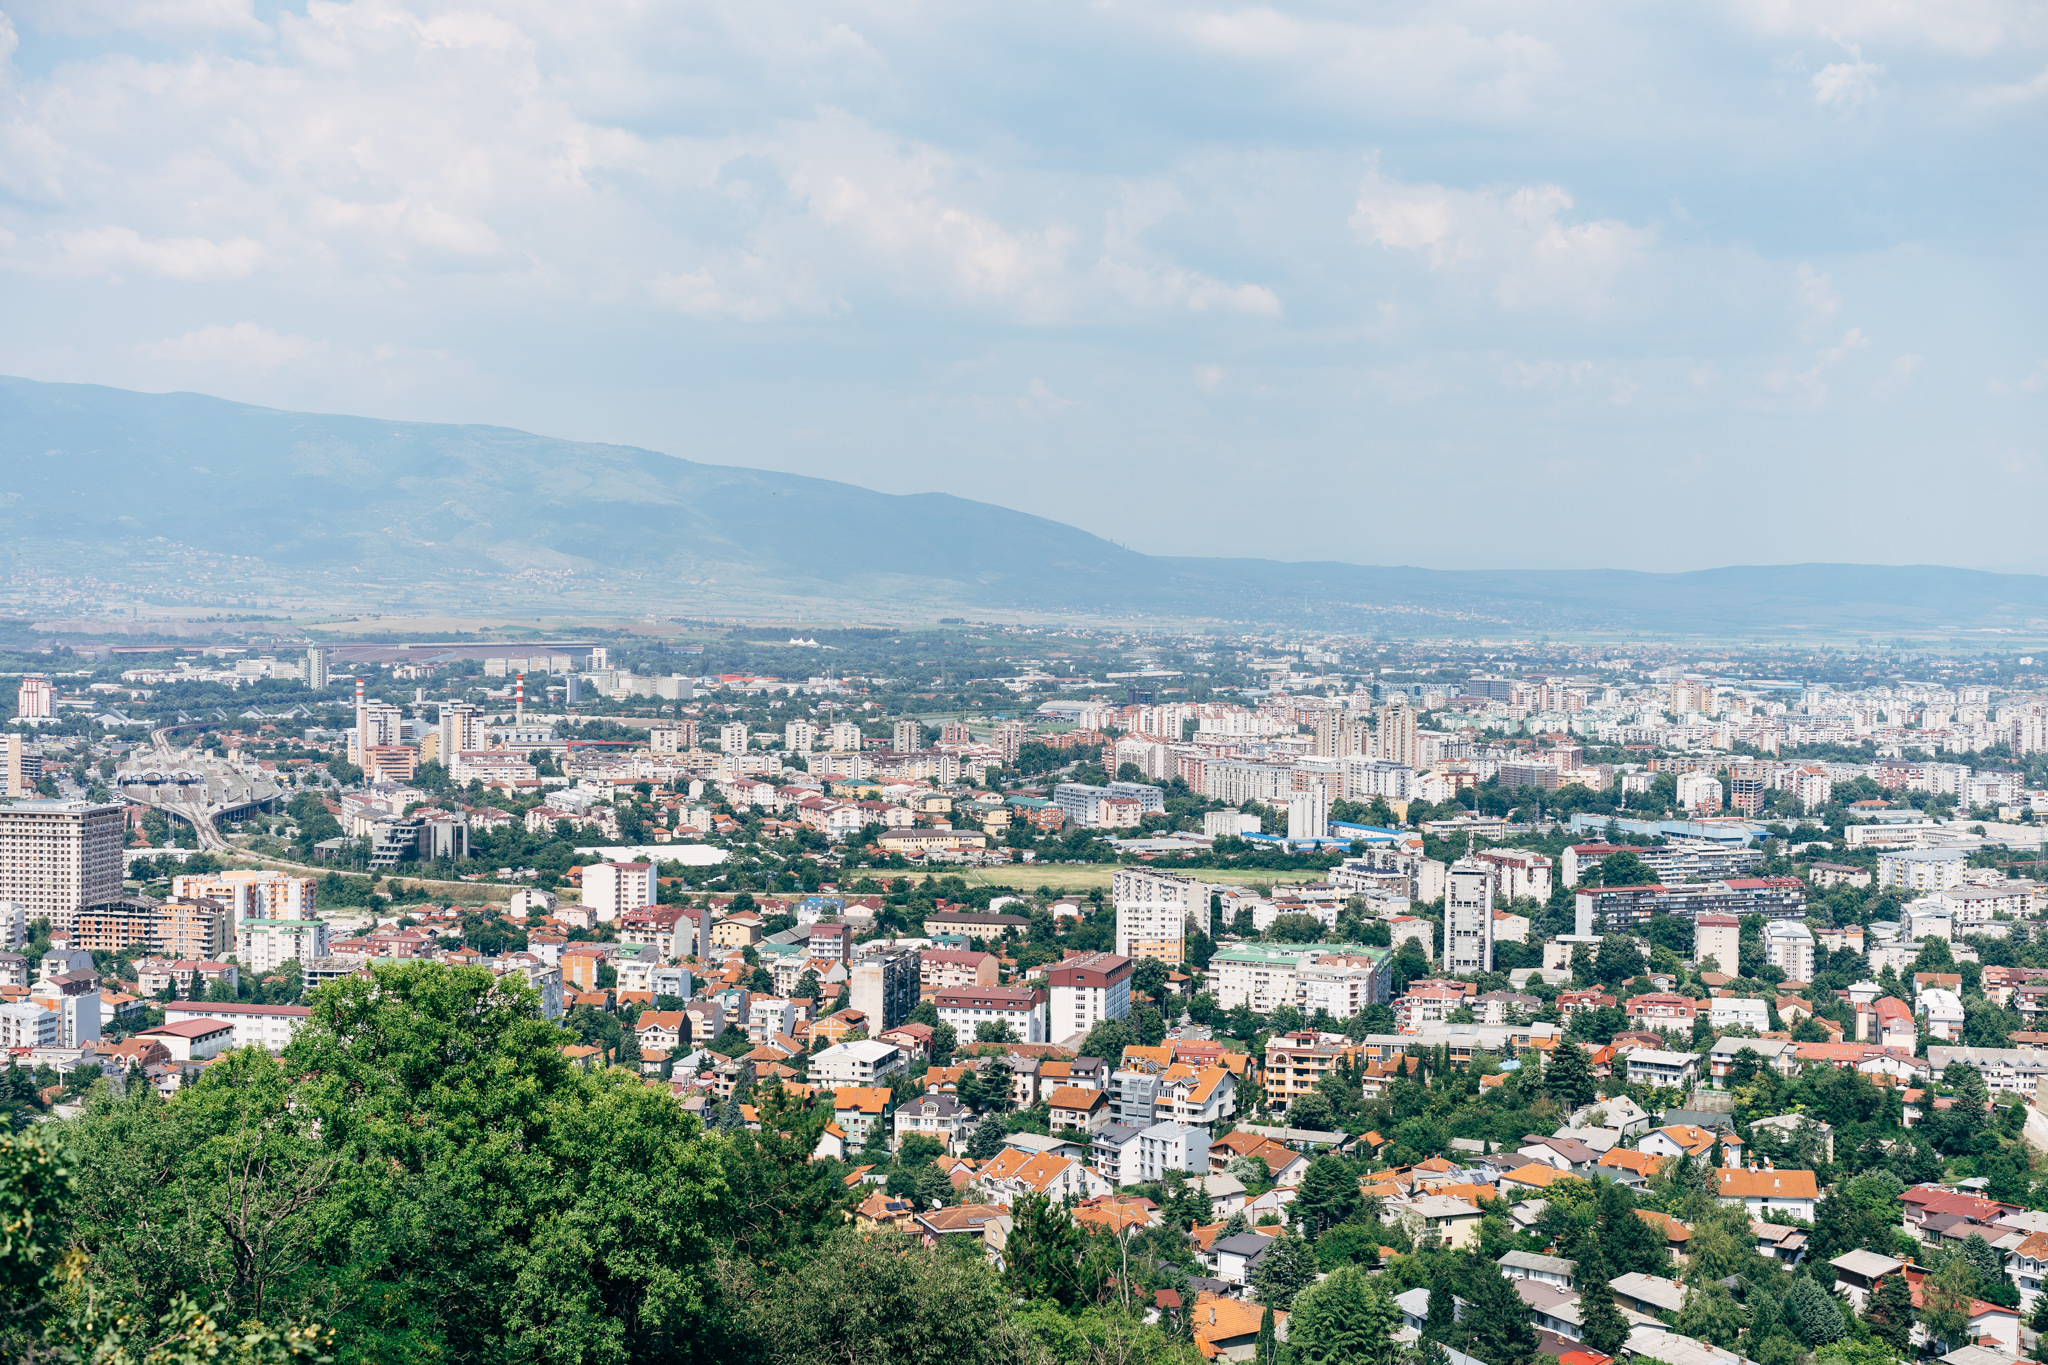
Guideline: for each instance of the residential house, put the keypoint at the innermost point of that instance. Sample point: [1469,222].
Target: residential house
[1685,1139]
[1085,1110]
[1768,1191]
[860,1109]
[1527,1265]
[1237,1257]
[857,1063]
[1671,1070]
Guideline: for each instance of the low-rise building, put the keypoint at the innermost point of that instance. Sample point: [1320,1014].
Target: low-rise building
[857,1063]
[1019,1008]
[1766,1192]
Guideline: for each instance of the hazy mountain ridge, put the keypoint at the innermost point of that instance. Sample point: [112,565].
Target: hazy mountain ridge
[104,471]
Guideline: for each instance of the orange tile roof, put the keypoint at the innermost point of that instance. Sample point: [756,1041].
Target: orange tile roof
[1622,1159]
[1217,1320]
[1737,1183]
[868,1099]
[1674,1231]
[1073,1097]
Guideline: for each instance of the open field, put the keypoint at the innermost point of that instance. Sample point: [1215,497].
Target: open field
[1069,877]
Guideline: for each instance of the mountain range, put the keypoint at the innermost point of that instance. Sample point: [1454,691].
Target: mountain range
[194,496]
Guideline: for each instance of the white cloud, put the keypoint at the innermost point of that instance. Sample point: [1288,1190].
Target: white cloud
[2016,92]
[2035,381]
[1443,63]
[1846,86]
[1972,28]
[1808,388]
[218,350]
[1520,241]
[120,250]
[150,18]
[1209,378]
[1817,299]
[1040,401]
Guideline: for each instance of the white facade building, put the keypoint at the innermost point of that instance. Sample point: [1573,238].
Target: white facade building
[611,889]
[264,945]
[1468,918]
[1088,988]
[266,1026]
[857,1063]
[1921,869]
[1169,1146]
[1788,946]
[26,1024]
[1153,911]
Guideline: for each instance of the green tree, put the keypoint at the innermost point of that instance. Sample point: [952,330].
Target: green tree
[1602,1327]
[1148,977]
[1813,1312]
[1890,1313]
[1311,1110]
[1348,1319]
[36,1190]
[883,1299]
[1328,1195]
[1711,1314]
[1043,1251]
[1496,1325]
[1984,1259]
[1569,1080]
[1287,1268]
[1945,1302]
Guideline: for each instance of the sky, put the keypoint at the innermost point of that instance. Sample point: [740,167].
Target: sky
[1458,285]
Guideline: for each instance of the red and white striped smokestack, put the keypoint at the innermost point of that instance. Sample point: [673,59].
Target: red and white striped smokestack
[519,700]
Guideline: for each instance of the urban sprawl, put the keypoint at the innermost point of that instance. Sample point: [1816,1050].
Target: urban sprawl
[992,993]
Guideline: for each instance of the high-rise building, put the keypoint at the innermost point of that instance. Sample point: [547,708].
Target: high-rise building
[844,737]
[462,729]
[248,894]
[1010,738]
[799,736]
[197,930]
[1088,988]
[909,736]
[264,945]
[1308,813]
[1396,741]
[57,857]
[1747,786]
[13,767]
[35,699]
[675,737]
[611,889]
[316,667]
[1153,911]
[1468,917]
[377,725]
[883,985]
[732,737]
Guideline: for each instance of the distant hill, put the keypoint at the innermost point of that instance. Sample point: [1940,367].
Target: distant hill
[133,487]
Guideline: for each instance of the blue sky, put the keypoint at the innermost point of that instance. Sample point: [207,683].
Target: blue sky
[1460,285]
